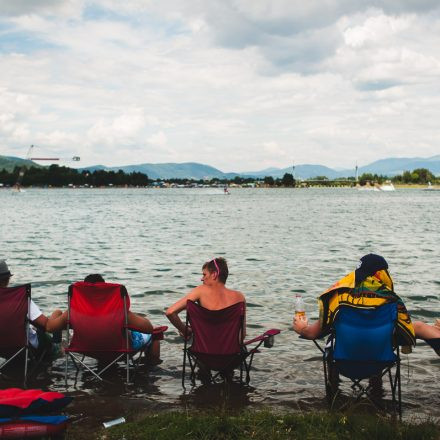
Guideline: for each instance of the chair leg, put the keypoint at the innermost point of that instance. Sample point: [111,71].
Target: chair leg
[65,368]
[11,358]
[128,368]
[192,366]
[399,390]
[331,377]
[395,384]
[26,356]
[183,368]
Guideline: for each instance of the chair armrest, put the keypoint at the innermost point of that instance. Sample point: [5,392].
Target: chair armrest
[157,333]
[266,335]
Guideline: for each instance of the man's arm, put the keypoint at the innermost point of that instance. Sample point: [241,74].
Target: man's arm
[37,317]
[40,322]
[57,321]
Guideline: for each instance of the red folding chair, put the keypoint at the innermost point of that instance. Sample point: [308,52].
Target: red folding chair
[98,315]
[14,324]
[217,343]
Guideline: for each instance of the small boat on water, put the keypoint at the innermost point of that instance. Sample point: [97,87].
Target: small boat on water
[16,189]
[431,188]
[387,186]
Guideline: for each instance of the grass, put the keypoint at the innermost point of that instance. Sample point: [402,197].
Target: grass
[265,425]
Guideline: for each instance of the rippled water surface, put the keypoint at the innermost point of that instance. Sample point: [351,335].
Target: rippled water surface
[277,242]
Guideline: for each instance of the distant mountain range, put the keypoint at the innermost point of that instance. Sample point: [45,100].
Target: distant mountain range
[10,162]
[170,170]
[389,167]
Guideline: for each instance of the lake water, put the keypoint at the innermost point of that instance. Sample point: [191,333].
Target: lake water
[278,242]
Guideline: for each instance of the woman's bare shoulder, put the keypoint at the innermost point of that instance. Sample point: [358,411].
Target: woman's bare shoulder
[237,295]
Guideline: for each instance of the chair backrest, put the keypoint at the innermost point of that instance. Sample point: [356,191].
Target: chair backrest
[14,305]
[97,314]
[364,337]
[216,332]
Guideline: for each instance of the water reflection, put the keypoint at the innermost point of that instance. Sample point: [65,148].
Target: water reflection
[221,396]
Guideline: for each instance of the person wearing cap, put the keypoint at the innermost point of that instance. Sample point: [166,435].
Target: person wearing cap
[370,285]
[212,294]
[37,332]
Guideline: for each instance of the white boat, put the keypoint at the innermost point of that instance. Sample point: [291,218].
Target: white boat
[387,186]
[431,188]
[17,189]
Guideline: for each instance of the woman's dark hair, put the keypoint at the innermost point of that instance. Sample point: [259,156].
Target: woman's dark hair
[94,278]
[219,266]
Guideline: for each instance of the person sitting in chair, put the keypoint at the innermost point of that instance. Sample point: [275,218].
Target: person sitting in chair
[38,338]
[370,285]
[139,339]
[212,294]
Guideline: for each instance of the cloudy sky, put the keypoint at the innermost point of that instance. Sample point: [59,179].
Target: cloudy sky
[237,84]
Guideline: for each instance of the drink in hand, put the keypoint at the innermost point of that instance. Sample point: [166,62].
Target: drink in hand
[300,311]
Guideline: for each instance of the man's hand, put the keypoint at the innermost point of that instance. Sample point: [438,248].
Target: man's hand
[300,323]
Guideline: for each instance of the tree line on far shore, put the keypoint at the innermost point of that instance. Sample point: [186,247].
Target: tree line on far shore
[61,176]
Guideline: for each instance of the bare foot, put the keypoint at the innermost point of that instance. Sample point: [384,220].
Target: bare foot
[437,323]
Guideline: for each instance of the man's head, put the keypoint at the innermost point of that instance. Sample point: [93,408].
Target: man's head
[5,274]
[217,266]
[94,278]
[368,265]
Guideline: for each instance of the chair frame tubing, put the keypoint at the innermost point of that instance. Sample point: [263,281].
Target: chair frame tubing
[25,348]
[395,382]
[245,364]
[79,363]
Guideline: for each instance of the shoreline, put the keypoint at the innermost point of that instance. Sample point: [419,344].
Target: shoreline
[397,186]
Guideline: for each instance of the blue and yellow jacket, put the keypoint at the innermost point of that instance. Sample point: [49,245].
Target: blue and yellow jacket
[374,291]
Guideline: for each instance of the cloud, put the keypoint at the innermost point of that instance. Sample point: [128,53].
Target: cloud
[158,139]
[123,128]
[236,84]
[375,29]
[52,7]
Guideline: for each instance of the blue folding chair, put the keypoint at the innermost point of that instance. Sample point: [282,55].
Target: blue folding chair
[361,346]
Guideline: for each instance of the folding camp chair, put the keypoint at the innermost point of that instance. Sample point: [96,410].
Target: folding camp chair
[98,315]
[362,346]
[217,348]
[14,324]
[14,328]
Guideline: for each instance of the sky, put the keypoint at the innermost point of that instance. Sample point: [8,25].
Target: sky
[241,85]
